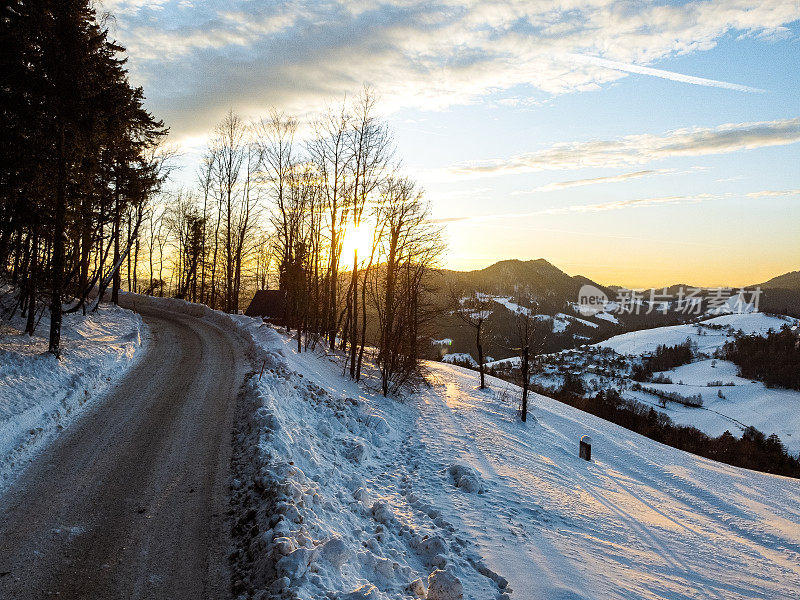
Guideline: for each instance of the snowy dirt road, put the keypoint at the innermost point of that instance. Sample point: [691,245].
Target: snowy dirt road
[130,501]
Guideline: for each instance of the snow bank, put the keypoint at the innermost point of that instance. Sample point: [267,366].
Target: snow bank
[40,395]
[325,491]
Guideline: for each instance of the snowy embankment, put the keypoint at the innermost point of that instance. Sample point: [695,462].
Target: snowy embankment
[344,494]
[326,493]
[40,395]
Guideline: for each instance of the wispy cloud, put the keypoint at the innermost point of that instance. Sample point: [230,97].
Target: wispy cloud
[671,75]
[618,205]
[590,208]
[643,148]
[773,193]
[562,185]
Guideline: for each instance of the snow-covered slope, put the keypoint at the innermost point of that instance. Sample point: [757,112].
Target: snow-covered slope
[745,403]
[641,521]
[708,335]
[356,496]
[40,395]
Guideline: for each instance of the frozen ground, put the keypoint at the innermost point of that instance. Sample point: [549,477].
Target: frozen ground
[708,335]
[40,395]
[353,496]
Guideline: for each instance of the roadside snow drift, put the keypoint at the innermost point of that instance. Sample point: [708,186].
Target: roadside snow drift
[445,494]
[40,395]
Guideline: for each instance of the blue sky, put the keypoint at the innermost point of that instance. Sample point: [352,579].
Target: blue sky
[637,143]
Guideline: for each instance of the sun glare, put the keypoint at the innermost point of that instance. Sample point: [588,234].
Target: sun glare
[357,238]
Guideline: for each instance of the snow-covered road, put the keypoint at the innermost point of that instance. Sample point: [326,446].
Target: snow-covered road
[130,501]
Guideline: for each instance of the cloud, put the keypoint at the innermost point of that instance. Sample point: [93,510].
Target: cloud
[671,75]
[589,208]
[562,185]
[195,64]
[773,193]
[643,148]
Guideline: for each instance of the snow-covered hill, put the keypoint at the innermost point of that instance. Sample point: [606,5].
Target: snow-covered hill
[744,403]
[354,496]
[708,335]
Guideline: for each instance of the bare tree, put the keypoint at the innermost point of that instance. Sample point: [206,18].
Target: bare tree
[410,249]
[371,146]
[329,152]
[233,162]
[474,310]
[530,335]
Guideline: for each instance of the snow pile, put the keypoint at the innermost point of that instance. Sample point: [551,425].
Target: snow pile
[466,478]
[326,492]
[40,395]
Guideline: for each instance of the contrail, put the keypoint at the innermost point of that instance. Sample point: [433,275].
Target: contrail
[631,68]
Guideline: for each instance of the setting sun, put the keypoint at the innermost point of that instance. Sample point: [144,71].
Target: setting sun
[358,239]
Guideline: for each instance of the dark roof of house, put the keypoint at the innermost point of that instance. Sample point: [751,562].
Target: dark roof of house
[270,304]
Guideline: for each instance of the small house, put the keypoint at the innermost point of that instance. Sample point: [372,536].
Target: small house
[270,305]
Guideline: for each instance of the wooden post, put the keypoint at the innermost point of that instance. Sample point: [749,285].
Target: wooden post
[585,451]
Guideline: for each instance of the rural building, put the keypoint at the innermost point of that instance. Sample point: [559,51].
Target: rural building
[269,305]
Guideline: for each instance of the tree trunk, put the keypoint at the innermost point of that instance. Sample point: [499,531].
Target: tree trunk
[116,233]
[354,319]
[57,267]
[363,324]
[480,355]
[525,383]
[30,324]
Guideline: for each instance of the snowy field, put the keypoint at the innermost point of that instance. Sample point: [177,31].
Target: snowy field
[40,395]
[708,335]
[374,495]
[745,403]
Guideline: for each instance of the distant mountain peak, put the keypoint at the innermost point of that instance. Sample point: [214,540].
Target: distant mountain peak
[787,281]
